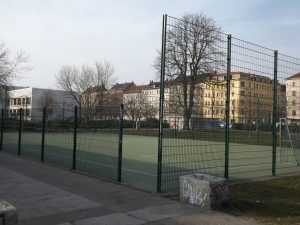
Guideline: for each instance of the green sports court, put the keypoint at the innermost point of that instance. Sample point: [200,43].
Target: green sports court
[97,154]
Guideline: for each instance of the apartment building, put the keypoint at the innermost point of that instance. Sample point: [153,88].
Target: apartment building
[293,98]
[152,94]
[251,98]
[116,92]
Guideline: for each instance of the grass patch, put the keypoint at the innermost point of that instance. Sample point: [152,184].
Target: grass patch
[275,201]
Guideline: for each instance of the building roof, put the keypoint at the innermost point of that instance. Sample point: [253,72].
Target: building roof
[11,88]
[135,89]
[249,76]
[98,88]
[295,76]
[152,85]
[121,87]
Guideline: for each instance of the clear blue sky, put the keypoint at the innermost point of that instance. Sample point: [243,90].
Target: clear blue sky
[128,33]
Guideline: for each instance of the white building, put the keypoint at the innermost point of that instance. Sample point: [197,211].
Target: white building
[293,98]
[32,100]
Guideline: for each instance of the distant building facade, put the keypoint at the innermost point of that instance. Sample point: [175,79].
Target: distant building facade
[32,101]
[251,98]
[4,95]
[116,92]
[293,98]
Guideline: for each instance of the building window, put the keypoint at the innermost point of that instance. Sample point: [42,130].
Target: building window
[242,83]
[293,102]
[294,84]
[242,93]
[294,93]
[27,111]
[294,112]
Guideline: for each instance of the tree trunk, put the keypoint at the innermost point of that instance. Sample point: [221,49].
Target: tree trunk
[186,121]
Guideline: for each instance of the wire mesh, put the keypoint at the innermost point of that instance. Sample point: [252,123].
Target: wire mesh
[288,123]
[10,131]
[97,142]
[194,106]
[192,143]
[192,137]
[251,108]
[32,133]
[139,162]
[58,147]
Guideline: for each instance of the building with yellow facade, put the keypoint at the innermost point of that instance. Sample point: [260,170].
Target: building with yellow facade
[251,98]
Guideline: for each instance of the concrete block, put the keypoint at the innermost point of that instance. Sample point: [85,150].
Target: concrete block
[203,190]
[8,213]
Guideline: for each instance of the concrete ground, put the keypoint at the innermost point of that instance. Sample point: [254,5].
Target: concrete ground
[47,195]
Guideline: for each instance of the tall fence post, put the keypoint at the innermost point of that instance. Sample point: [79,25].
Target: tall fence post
[2,129]
[120,143]
[75,139]
[161,102]
[20,131]
[274,139]
[228,78]
[43,134]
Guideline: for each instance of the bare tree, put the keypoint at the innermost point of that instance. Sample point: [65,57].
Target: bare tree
[192,57]
[135,108]
[87,85]
[47,100]
[104,74]
[11,66]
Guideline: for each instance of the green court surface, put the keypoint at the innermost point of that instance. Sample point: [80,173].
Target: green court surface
[97,153]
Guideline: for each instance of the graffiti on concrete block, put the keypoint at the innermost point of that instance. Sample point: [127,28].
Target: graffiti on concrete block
[193,194]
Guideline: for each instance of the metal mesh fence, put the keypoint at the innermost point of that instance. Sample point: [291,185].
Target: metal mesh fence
[231,105]
[251,101]
[140,128]
[97,142]
[31,133]
[224,107]
[194,101]
[288,123]
[58,146]
[10,132]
